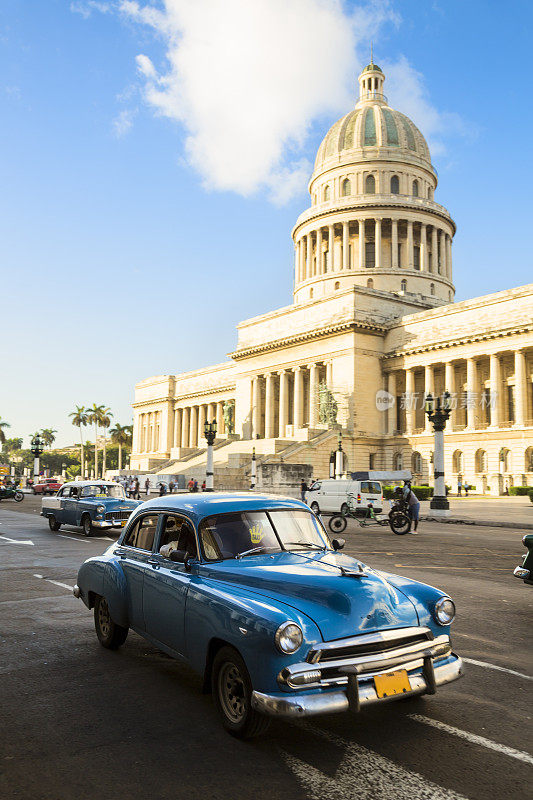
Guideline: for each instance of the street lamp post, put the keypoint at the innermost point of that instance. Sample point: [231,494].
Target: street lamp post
[339,459]
[37,448]
[438,413]
[210,432]
[253,471]
[332,464]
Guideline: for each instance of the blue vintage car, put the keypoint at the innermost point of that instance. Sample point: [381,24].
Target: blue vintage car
[91,505]
[252,593]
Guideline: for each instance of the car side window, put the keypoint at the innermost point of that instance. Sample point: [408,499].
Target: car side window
[178,534]
[142,534]
[64,492]
[365,487]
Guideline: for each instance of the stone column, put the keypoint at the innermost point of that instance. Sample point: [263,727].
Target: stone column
[520,396]
[329,374]
[269,406]
[394,244]
[319,255]
[410,246]
[194,427]
[211,412]
[471,393]
[434,250]
[313,395]
[177,427]
[377,243]
[495,388]
[449,386]
[345,245]
[256,407]
[283,403]
[331,247]
[429,388]
[298,397]
[423,248]
[362,259]
[409,400]
[201,421]
[442,251]
[308,255]
[185,427]
[448,240]
[391,413]
[220,417]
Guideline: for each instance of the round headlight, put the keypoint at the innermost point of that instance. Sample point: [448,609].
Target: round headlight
[444,611]
[100,509]
[289,637]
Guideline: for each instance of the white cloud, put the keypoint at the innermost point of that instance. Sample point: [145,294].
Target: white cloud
[86,7]
[246,78]
[123,122]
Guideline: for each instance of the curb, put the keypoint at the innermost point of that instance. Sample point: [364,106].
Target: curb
[482,522]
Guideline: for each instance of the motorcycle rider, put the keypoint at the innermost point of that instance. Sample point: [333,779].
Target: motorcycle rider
[413,504]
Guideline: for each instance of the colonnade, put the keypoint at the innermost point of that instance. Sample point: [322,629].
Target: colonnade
[189,422]
[287,397]
[150,432]
[487,392]
[373,242]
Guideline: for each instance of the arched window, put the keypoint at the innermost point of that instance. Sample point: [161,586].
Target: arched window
[432,289]
[416,463]
[346,187]
[395,185]
[505,460]
[528,461]
[326,193]
[403,286]
[458,462]
[370,184]
[397,461]
[337,285]
[481,461]
[415,188]
[370,283]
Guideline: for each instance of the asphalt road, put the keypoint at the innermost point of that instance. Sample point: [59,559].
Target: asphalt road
[82,722]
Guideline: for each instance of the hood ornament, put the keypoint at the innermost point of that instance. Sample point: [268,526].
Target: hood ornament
[353,573]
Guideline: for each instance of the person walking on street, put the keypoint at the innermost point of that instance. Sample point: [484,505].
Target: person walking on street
[413,504]
[147,486]
[190,485]
[204,485]
[136,489]
[195,485]
[459,486]
[303,489]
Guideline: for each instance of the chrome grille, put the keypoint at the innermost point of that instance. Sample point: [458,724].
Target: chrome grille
[118,515]
[368,645]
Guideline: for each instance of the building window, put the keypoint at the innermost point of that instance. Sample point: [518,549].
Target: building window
[432,289]
[415,188]
[370,254]
[481,461]
[370,184]
[416,257]
[510,403]
[458,462]
[326,193]
[372,461]
[528,463]
[403,286]
[349,256]
[416,463]
[399,254]
[311,294]
[430,262]
[370,283]
[430,192]
[395,185]
[346,187]
[397,461]
[337,285]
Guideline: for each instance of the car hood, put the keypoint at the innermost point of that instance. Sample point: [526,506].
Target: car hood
[340,604]
[118,505]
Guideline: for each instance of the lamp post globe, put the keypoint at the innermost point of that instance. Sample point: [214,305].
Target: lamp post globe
[210,432]
[438,410]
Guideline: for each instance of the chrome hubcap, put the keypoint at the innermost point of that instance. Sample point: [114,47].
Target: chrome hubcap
[231,692]
[104,620]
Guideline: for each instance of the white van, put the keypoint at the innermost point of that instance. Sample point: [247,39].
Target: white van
[330,496]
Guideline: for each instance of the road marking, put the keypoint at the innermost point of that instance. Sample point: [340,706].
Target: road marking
[17,541]
[363,774]
[56,583]
[451,566]
[474,738]
[74,538]
[495,666]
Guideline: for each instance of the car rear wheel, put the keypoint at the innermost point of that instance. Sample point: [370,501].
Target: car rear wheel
[315,508]
[87,525]
[400,522]
[337,523]
[232,692]
[53,524]
[109,634]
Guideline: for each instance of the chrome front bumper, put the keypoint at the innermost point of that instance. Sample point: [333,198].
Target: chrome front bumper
[359,692]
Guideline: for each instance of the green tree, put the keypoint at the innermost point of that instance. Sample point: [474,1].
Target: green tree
[79,419]
[121,435]
[3,424]
[95,415]
[48,436]
[105,423]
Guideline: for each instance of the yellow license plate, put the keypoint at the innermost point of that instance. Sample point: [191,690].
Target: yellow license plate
[392,683]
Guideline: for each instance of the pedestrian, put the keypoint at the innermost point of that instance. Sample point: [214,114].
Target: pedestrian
[466,489]
[303,489]
[136,489]
[162,489]
[147,486]
[204,485]
[190,485]
[171,487]
[459,486]
[413,505]
[195,485]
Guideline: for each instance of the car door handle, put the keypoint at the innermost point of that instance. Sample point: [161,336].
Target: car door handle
[154,562]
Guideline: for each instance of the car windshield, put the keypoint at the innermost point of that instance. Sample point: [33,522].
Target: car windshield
[106,490]
[245,533]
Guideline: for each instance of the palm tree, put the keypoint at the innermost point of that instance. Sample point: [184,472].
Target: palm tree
[3,424]
[95,415]
[48,436]
[79,419]
[121,435]
[105,422]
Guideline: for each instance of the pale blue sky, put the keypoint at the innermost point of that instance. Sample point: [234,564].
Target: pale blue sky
[132,243]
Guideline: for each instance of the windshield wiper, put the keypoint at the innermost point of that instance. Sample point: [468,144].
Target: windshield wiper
[255,550]
[306,545]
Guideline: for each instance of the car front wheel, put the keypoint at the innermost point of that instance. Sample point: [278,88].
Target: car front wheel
[53,524]
[87,525]
[232,692]
[109,634]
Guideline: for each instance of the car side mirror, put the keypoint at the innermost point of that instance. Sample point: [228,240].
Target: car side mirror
[338,544]
[179,556]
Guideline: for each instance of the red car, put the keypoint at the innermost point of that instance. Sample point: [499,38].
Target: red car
[47,486]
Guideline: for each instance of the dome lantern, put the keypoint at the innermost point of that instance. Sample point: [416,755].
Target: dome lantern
[371,82]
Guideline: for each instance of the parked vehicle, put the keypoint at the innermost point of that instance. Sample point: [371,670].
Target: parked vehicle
[331,496]
[11,493]
[525,572]
[90,505]
[252,593]
[47,486]
[398,517]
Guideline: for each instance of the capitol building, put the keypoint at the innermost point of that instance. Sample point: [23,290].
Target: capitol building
[372,328]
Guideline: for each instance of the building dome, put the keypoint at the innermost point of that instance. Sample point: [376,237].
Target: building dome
[373,220]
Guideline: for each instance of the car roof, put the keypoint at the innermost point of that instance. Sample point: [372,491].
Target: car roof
[91,483]
[204,504]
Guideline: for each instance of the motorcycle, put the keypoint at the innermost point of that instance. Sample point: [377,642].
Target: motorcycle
[11,493]
[398,517]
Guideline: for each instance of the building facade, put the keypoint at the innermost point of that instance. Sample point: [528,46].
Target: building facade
[371,330]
